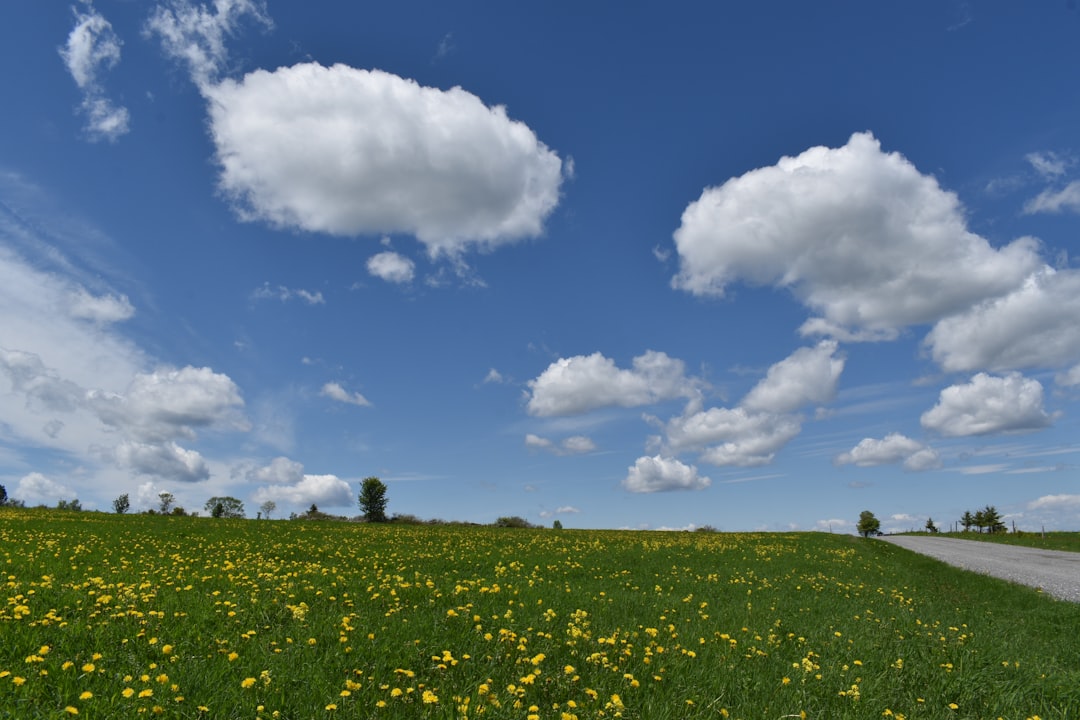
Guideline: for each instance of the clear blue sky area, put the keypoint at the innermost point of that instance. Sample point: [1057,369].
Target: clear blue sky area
[759,266]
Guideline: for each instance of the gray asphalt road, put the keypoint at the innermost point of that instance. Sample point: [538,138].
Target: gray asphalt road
[1055,571]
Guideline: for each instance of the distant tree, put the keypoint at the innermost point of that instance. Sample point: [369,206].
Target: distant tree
[73,505]
[373,499]
[267,508]
[992,520]
[121,504]
[930,526]
[3,496]
[513,521]
[557,525]
[979,519]
[967,520]
[224,507]
[868,524]
[166,502]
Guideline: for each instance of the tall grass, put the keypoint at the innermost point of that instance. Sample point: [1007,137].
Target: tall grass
[122,616]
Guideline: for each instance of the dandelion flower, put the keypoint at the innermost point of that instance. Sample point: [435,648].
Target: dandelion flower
[86,695]
[247,682]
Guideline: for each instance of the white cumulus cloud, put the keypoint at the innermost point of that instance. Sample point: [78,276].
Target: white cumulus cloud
[570,386]
[856,234]
[806,377]
[324,490]
[335,391]
[165,460]
[280,471]
[660,474]
[392,267]
[1032,327]
[37,489]
[989,404]
[347,151]
[893,448]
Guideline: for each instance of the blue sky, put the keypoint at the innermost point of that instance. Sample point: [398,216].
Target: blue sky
[754,266]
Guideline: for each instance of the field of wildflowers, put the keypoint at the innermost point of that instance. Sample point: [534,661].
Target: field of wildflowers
[106,616]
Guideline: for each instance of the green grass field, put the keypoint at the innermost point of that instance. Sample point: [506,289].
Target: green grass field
[1069,541]
[109,616]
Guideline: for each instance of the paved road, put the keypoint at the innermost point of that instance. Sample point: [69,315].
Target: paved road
[1055,571]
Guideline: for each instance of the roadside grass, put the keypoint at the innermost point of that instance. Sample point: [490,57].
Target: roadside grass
[106,616]
[1069,541]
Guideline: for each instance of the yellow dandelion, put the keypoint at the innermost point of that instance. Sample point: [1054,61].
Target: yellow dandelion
[127,692]
[247,682]
[331,707]
[88,667]
[86,695]
[71,710]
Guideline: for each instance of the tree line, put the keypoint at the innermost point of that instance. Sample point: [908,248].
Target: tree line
[986,520]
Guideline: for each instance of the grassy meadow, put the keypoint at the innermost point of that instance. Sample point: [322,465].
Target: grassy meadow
[1069,541]
[106,616]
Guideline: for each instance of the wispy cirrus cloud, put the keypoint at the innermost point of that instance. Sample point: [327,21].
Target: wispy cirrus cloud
[92,47]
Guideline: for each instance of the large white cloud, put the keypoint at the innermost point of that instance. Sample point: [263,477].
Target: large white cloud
[1033,327]
[893,448]
[806,377]
[348,151]
[578,384]
[732,436]
[165,460]
[660,474]
[37,489]
[856,234]
[325,490]
[989,404]
[92,45]
[169,403]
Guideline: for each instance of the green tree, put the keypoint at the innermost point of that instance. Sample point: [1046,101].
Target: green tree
[373,499]
[967,520]
[73,505]
[224,507]
[868,524]
[979,519]
[992,520]
[930,526]
[3,496]
[121,504]
[267,508]
[166,502]
[557,525]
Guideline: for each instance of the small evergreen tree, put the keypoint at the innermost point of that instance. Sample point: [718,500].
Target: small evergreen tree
[930,526]
[373,500]
[992,520]
[967,520]
[557,525]
[121,504]
[868,524]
